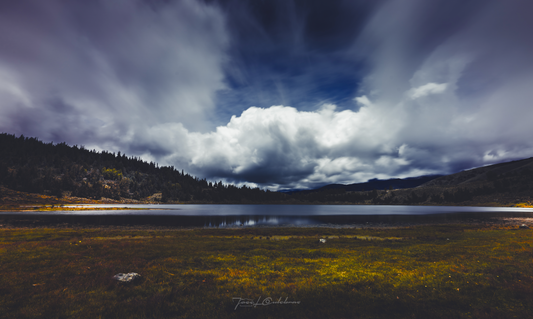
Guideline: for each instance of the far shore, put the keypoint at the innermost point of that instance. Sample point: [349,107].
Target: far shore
[68,207]
[11,200]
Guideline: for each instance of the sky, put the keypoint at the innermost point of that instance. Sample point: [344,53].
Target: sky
[275,94]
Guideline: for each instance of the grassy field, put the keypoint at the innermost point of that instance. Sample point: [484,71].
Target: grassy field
[447,271]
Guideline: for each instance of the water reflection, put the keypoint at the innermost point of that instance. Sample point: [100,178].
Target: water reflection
[257,220]
[232,221]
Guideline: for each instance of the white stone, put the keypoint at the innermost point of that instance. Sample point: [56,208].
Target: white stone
[126,277]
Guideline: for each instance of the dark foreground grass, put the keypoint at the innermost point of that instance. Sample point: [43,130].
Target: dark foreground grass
[450,271]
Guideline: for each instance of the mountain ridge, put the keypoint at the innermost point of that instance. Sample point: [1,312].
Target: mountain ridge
[394,183]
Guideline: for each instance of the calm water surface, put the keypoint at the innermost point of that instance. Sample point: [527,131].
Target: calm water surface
[270,215]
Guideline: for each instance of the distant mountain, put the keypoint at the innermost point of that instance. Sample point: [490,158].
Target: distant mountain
[394,183]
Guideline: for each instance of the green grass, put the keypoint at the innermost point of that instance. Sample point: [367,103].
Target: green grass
[451,271]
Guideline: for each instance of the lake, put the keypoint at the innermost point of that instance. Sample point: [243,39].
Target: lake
[264,215]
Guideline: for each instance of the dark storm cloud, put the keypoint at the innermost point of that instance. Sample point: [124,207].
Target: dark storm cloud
[59,119]
[344,91]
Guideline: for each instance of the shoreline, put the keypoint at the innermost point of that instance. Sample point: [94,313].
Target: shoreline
[10,200]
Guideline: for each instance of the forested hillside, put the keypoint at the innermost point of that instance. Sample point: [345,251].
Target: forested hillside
[29,165]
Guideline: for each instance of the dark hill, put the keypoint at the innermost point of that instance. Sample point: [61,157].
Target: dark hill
[29,165]
[484,174]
